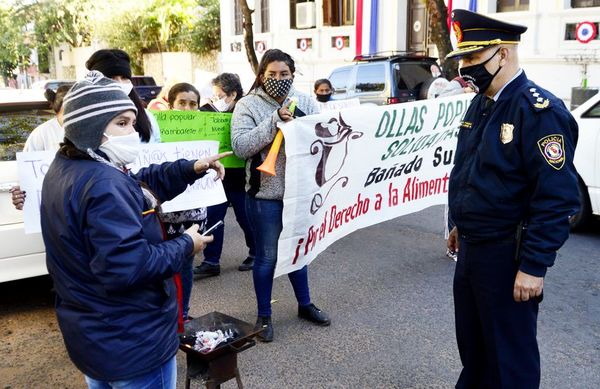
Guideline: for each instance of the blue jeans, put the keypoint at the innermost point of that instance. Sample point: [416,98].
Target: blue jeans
[212,252]
[163,377]
[187,281]
[265,219]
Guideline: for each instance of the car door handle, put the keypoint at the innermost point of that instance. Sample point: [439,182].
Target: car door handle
[5,186]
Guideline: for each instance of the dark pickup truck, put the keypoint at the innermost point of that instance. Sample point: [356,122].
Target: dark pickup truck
[146,87]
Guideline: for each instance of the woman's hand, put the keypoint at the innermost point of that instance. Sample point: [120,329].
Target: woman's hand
[284,112]
[212,162]
[18,197]
[200,241]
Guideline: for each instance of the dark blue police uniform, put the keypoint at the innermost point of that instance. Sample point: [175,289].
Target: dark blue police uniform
[513,168]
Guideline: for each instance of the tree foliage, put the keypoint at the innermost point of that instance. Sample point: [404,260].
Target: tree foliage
[14,51]
[153,26]
[439,34]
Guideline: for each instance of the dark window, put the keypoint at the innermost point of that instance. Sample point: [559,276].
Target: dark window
[338,12]
[340,80]
[410,75]
[264,15]
[238,21]
[16,123]
[570,29]
[585,3]
[512,5]
[593,112]
[370,78]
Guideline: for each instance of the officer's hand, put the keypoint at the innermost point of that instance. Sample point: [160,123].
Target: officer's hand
[527,287]
[18,197]
[200,241]
[452,242]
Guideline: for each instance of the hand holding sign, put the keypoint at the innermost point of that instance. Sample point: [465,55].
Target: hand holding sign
[18,197]
[212,162]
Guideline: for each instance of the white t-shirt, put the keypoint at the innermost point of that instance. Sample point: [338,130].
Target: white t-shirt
[46,136]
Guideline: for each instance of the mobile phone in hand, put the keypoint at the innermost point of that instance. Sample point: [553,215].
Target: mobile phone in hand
[214,227]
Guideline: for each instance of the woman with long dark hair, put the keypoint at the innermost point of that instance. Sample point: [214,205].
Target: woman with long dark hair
[253,128]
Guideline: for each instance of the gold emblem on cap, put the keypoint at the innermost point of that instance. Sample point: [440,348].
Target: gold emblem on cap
[506,133]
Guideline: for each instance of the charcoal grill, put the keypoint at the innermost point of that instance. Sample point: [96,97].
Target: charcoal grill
[219,365]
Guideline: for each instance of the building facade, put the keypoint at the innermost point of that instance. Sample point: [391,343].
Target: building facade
[324,34]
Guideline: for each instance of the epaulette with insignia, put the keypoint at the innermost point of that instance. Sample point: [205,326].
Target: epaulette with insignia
[537,99]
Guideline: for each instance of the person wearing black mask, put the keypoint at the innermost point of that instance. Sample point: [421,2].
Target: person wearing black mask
[512,189]
[323,90]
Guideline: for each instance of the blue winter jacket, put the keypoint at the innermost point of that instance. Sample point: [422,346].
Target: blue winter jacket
[116,299]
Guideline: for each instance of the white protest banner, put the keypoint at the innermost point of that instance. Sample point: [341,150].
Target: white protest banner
[353,168]
[32,167]
[204,192]
[336,105]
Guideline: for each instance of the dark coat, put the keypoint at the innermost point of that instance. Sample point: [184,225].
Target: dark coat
[514,164]
[112,271]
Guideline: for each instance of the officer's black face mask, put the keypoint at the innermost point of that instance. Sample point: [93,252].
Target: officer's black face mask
[478,75]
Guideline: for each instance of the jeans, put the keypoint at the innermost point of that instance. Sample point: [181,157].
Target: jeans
[187,281]
[163,377]
[212,252]
[265,219]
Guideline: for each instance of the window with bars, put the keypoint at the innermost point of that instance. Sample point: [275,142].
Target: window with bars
[238,20]
[512,5]
[585,3]
[338,12]
[264,16]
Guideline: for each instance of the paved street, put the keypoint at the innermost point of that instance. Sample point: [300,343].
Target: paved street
[388,291]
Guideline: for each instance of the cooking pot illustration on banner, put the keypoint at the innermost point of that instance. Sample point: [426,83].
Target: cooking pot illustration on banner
[333,146]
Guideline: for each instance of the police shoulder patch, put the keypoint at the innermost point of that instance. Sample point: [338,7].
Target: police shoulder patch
[552,148]
[537,98]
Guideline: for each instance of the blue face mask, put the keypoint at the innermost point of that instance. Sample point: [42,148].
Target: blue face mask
[478,74]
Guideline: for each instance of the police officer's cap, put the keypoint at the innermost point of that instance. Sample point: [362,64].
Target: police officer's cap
[475,32]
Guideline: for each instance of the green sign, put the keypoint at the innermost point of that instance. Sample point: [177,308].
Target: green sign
[181,126]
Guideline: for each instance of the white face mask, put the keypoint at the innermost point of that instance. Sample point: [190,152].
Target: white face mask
[221,105]
[121,150]
[126,86]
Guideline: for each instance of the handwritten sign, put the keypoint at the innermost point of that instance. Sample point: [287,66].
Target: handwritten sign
[32,167]
[204,192]
[336,105]
[182,126]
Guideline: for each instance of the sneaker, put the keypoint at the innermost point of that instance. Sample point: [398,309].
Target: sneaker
[247,264]
[264,323]
[312,313]
[452,255]
[207,270]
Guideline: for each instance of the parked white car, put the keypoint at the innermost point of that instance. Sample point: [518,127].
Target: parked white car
[587,160]
[21,255]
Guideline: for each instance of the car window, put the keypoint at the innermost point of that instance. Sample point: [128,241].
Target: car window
[370,78]
[142,81]
[593,112]
[15,127]
[340,79]
[410,74]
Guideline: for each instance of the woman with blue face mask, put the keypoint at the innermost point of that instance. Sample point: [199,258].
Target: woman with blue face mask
[253,128]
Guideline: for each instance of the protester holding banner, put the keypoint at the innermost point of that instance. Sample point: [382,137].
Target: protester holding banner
[115,64]
[323,90]
[116,302]
[227,90]
[511,192]
[184,97]
[253,128]
[46,136]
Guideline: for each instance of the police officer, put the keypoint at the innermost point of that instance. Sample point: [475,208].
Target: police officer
[512,190]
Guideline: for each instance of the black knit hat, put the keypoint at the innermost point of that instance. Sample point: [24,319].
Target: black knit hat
[88,108]
[110,62]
